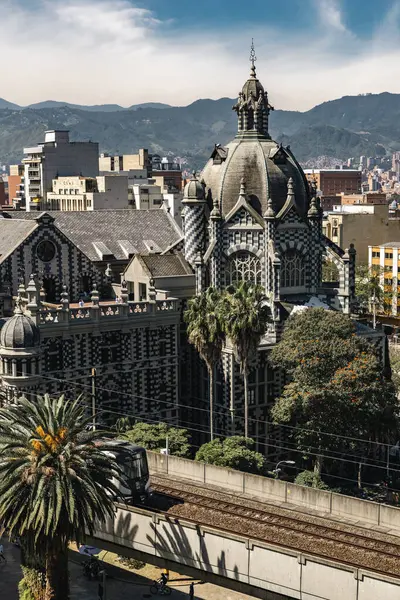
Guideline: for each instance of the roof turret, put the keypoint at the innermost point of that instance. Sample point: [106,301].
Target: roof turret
[20,331]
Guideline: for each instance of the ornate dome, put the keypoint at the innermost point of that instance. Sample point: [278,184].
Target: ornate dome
[20,331]
[252,155]
[194,189]
[265,166]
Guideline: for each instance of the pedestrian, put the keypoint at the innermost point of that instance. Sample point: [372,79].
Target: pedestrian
[2,557]
[191,591]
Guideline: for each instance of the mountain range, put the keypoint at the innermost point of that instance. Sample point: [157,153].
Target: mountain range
[333,131]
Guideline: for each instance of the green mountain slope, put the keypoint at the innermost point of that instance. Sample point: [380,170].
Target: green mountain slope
[350,126]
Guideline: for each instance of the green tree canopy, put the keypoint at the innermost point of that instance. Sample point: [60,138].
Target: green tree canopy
[55,481]
[235,452]
[330,271]
[336,385]
[154,437]
[371,293]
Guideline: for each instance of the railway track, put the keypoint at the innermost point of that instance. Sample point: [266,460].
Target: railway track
[348,543]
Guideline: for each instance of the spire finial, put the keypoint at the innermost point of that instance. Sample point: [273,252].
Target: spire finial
[243,187]
[18,305]
[252,59]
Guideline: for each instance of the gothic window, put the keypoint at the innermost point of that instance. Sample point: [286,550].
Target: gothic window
[292,270]
[243,266]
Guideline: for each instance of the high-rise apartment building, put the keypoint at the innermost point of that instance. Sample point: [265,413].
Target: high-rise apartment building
[55,157]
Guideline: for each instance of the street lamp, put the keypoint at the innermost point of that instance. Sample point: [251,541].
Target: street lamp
[277,470]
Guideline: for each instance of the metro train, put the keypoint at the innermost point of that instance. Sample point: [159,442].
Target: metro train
[133,461]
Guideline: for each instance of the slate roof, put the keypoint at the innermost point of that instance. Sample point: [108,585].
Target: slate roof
[12,234]
[106,228]
[166,265]
[265,177]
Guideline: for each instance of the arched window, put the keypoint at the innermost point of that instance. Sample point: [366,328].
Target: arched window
[292,270]
[50,288]
[243,266]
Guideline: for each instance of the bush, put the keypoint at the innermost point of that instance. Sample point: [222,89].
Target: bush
[311,479]
[235,452]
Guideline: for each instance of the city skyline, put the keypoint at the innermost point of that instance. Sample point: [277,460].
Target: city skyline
[127,52]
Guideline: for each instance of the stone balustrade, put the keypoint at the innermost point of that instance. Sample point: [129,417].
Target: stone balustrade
[89,312]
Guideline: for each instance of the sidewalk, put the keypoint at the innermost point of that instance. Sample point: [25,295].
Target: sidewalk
[123,585]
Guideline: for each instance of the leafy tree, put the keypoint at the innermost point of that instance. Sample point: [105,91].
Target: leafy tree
[55,483]
[244,315]
[205,332]
[371,292]
[235,452]
[330,271]
[154,437]
[394,355]
[336,386]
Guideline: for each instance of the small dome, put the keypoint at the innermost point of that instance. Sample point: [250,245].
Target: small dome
[20,331]
[252,87]
[194,190]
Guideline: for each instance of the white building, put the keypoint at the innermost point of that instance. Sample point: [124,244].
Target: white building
[56,157]
[87,193]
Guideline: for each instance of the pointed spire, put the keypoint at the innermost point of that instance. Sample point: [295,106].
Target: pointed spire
[290,188]
[242,188]
[253,59]
[18,305]
[313,210]
[215,213]
[269,213]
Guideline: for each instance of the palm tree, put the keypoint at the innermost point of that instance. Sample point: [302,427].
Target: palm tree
[206,334]
[244,315]
[55,481]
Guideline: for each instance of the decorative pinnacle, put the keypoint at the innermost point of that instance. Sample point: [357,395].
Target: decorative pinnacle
[290,187]
[269,213]
[18,305]
[252,59]
[243,187]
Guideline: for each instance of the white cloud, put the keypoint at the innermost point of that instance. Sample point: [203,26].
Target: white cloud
[109,51]
[330,14]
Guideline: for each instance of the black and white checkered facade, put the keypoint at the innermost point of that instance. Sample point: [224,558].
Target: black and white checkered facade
[133,348]
[262,223]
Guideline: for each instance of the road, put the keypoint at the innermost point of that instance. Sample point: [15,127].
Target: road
[124,585]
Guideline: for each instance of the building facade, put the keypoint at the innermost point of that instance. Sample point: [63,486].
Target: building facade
[362,225]
[56,157]
[335,181]
[88,193]
[384,259]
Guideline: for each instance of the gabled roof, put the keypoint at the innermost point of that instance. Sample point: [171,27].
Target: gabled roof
[106,228]
[243,203]
[165,265]
[13,233]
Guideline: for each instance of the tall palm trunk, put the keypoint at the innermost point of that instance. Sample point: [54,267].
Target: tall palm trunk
[211,398]
[246,402]
[57,583]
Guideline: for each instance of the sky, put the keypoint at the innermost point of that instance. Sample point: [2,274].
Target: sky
[176,51]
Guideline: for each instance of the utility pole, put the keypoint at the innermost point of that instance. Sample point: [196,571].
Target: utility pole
[93,377]
[102,590]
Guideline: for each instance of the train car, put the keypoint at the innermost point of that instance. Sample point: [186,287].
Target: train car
[134,487]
